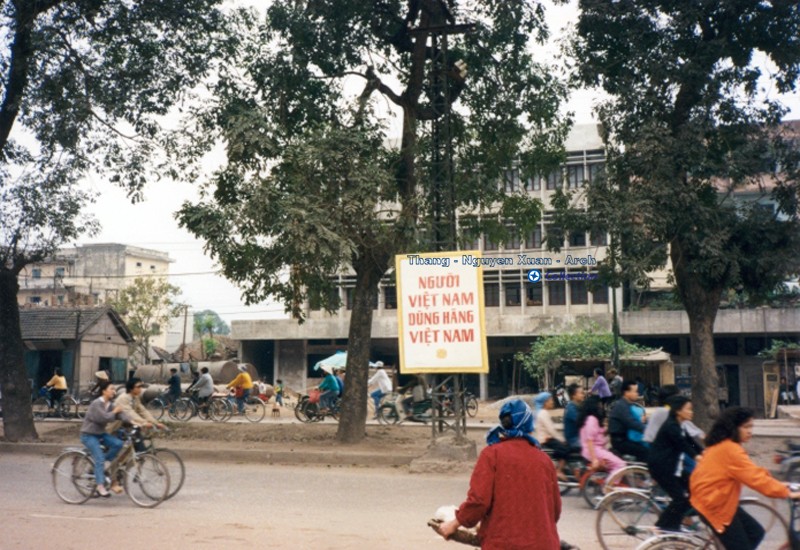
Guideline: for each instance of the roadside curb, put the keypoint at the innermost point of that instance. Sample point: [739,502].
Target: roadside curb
[299,457]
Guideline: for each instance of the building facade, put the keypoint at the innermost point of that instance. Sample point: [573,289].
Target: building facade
[517,311]
[89,275]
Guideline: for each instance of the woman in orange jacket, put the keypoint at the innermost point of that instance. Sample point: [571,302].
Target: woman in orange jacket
[716,483]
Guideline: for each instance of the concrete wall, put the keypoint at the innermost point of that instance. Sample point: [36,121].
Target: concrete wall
[102,340]
[291,364]
[728,321]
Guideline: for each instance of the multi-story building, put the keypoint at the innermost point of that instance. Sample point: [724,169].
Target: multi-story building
[89,275]
[517,312]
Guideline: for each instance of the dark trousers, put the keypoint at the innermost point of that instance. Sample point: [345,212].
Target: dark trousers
[624,446]
[676,487]
[744,532]
[560,450]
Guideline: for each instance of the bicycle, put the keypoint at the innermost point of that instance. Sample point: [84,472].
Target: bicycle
[145,477]
[599,483]
[44,405]
[627,520]
[254,408]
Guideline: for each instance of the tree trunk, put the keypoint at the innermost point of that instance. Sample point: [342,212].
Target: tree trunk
[17,415]
[353,419]
[701,304]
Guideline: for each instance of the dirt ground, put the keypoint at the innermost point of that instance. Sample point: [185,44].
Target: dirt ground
[253,436]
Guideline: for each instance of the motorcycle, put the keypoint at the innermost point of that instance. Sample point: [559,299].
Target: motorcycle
[390,411]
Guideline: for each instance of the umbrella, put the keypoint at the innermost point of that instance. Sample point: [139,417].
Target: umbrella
[336,361]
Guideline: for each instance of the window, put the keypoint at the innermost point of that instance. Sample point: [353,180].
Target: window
[60,272]
[557,293]
[511,182]
[599,239]
[61,299]
[534,239]
[595,171]
[138,264]
[513,240]
[470,235]
[315,301]
[488,244]
[600,295]
[35,299]
[533,294]
[575,176]
[554,180]
[390,297]
[578,293]
[152,268]
[36,273]
[577,238]
[513,292]
[535,184]
[491,289]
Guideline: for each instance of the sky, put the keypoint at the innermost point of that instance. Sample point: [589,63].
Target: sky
[151,223]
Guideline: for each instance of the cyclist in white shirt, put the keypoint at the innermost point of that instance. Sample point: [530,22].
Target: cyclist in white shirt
[384,383]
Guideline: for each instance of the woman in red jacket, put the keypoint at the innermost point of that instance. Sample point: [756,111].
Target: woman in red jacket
[716,483]
[513,492]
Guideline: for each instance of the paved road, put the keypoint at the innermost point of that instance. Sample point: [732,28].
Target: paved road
[246,506]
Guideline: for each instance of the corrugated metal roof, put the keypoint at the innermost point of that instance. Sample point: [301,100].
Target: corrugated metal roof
[43,323]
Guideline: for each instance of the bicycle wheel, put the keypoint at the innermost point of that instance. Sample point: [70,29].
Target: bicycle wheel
[592,489]
[40,408]
[776,528]
[73,477]
[66,407]
[82,407]
[254,409]
[631,477]
[388,414]
[177,471]
[156,407]
[180,410]
[300,409]
[625,519]
[471,405]
[147,481]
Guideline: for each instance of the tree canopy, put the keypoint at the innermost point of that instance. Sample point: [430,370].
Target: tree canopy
[83,87]
[547,352]
[147,305]
[315,74]
[688,127]
[210,321]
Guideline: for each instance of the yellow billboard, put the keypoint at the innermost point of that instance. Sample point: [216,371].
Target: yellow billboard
[440,319]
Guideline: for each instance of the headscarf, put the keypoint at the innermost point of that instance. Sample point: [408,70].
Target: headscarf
[521,424]
[540,399]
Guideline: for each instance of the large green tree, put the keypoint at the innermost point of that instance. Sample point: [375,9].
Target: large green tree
[83,84]
[337,69]
[688,125]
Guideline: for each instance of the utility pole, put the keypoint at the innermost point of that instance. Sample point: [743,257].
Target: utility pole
[443,201]
[185,321]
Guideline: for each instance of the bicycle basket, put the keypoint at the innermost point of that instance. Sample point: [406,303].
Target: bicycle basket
[313,396]
[43,391]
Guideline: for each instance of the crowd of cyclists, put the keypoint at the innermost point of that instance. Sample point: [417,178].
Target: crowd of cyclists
[702,474]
